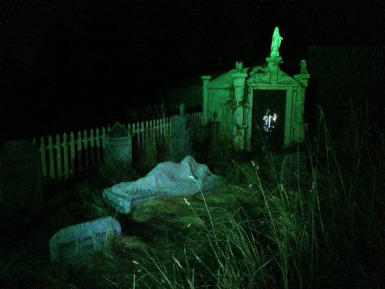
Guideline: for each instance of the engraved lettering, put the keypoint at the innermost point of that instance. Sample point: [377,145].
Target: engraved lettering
[63,246]
[85,239]
[100,234]
[89,246]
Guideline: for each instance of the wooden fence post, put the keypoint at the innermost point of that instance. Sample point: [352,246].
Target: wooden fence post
[72,154]
[85,150]
[50,158]
[79,150]
[57,147]
[98,146]
[43,158]
[65,156]
[92,144]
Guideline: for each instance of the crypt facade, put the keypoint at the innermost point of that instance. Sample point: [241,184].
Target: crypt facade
[263,99]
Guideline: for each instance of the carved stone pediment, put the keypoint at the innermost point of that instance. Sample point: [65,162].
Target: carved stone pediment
[261,74]
[303,78]
[284,78]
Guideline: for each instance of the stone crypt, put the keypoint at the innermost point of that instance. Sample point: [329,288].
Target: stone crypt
[245,100]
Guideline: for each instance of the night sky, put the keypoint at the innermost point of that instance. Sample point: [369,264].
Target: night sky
[68,65]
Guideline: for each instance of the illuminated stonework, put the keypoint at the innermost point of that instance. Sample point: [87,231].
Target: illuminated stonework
[241,97]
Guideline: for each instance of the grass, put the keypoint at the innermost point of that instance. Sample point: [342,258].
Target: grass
[324,231]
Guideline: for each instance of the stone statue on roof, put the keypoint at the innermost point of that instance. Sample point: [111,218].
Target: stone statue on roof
[275,43]
[303,65]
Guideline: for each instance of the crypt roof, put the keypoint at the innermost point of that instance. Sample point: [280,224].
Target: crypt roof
[257,76]
[225,80]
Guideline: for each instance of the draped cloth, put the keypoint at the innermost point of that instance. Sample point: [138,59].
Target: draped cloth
[166,180]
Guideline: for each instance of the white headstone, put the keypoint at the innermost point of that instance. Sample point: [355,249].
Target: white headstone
[78,240]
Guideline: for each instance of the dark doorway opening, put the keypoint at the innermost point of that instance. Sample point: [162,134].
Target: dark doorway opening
[268,119]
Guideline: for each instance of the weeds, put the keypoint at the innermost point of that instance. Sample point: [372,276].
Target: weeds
[323,232]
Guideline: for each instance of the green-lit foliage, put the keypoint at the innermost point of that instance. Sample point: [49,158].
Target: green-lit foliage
[253,232]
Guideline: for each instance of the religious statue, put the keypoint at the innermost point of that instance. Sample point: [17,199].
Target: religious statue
[275,43]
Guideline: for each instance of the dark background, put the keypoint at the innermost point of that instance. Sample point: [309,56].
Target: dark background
[69,65]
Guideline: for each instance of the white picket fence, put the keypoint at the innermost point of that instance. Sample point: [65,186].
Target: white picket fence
[66,156]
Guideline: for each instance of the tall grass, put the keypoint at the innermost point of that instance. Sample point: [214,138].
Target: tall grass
[324,231]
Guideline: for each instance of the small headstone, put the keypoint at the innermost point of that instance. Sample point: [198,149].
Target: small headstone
[181,136]
[293,168]
[21,183]
[78,240]
[118,145]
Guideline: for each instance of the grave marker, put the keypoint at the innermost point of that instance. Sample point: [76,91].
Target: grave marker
[80,239]
[293,168]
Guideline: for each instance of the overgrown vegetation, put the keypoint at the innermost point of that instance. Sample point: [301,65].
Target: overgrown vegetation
[325,231]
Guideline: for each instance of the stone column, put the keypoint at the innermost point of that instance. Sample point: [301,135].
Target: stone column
[273,65]
[300,107]
[206,81]
[289,118]
[303,78]
[181,136]
[239,82]
[248,112]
